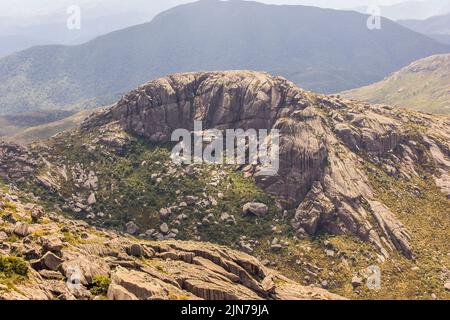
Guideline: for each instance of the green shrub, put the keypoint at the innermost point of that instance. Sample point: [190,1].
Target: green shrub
[100,285]
[13,266]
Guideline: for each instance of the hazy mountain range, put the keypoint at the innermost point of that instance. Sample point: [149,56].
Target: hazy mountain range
[411,9]
[423,85]
[437,27]
[319,49]
[42,22]
[94,207]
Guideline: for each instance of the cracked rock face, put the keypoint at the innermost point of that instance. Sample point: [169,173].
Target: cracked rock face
[324,144]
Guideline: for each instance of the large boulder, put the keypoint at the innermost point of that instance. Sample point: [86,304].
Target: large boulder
[164,228]
[117,292]
[52,243]
[139,251]
[48,261]
[85,268]
[21,229]
[131,228]
[255,208]
[139,285]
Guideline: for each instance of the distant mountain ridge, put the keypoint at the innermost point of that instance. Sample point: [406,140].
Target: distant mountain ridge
[14,123]
[437,27]
[434,25]
[319,49]
[21,31]
[46,130]
[412,9]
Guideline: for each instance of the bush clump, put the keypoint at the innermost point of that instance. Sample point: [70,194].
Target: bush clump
[13,266]
[100,285]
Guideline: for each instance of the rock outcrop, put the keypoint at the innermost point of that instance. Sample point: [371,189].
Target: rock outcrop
[324,144]
[339,160]
[16,162]
[327,147]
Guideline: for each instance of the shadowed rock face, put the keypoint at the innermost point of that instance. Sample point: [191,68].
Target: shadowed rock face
[324,144]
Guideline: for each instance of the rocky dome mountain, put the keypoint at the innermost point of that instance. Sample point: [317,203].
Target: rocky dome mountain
[319,49]
[424,85]
[358,184]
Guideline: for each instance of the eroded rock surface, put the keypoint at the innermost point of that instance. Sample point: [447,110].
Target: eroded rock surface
[325,142]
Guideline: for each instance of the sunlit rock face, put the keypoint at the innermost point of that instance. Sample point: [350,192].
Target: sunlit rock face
[324,144]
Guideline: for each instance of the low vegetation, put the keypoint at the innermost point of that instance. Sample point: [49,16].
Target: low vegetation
[13,266]
[100,285]
[129,190]
[421,86]
[12,271]
[135,186]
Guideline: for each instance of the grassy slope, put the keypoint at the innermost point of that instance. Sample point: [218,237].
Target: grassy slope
[11,124]
[426,216]
[12,270]
[45,131]
[128,191]
[427,89]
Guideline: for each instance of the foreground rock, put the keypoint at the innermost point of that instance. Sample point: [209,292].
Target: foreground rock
[133,269]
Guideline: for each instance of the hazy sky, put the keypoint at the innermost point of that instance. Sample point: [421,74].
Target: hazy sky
[19,14]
